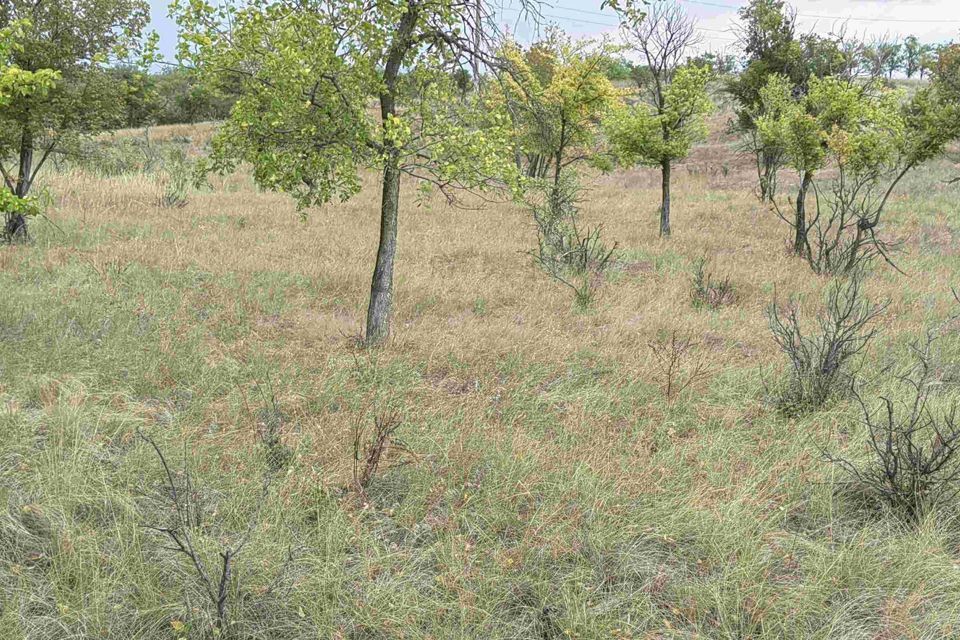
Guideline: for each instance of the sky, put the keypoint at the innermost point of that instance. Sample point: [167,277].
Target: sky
[929,20]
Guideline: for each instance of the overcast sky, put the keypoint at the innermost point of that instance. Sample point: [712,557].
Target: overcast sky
[929,20]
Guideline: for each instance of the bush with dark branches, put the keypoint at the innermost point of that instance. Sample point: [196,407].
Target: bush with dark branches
[187,533]
[842,237]
[820,362]
[913,467]
[709,291]
[569,252]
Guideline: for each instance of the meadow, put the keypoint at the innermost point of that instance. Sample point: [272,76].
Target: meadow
[539,482]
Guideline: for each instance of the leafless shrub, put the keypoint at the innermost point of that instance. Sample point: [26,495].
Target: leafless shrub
[369,449]
[710,292]
[188,523]
[678,362]
[913,467]
[842,238]
[820,363]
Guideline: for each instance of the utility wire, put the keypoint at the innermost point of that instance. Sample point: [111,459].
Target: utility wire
[800,15]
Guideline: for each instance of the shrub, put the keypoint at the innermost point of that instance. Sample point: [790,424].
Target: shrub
[189,535]
[176,179]
[369,450]
[820,364]
[842,236]
[677,362]
[913,467]
[708,292]
[567,251]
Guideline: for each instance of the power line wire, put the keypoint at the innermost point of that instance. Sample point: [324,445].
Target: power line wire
[813,15]
[800,15]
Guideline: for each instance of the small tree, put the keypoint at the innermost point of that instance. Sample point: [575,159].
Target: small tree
[557,92]
[912,56]
[768,40]
[17,84]
[665,126]
[75,39]
[872,137]
[307,75]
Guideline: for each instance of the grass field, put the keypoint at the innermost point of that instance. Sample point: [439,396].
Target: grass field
[542,485]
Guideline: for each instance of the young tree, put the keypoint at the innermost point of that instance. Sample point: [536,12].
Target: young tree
[557,92]
[928,60]
[75,39]
[872,137]
[912,56]
[307,75]
[671,119]
[768,40]
[17,84]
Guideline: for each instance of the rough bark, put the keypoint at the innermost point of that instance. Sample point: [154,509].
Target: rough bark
[800,243]
[665,198]
[381,288]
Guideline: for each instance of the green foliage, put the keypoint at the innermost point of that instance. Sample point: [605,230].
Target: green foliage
[641,135]
[557,92]
[302,119]
[53,84]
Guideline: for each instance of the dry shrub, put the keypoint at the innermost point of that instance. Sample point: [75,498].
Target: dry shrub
[820,363]
[678,361]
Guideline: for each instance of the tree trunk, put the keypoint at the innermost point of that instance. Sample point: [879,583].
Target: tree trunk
[665,198]
[768,173]
[800,246]
[381,289]
[15,224]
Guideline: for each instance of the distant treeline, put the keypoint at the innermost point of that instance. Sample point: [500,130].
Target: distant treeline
[171,96]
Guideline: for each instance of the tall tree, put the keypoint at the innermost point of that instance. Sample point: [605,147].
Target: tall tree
[307,75]
[663,129]
[76,39]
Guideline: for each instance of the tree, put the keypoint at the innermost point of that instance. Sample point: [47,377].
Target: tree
[664,127]
[882,58]
[768,40]
[557,92]
[872,137]
[307,75]
[928,60]
[17,84]
[664,132]
[912,56]
[75,39]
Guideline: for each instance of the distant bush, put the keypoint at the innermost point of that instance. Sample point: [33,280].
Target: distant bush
[113,157]
[820,362]
[176,178]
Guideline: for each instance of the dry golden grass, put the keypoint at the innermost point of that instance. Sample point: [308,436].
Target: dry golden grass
[490,357]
